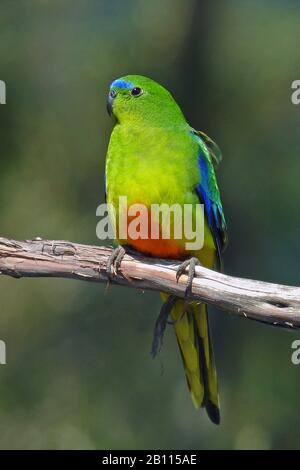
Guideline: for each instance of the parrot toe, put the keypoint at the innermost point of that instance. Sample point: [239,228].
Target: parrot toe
[114,261]
[191,264]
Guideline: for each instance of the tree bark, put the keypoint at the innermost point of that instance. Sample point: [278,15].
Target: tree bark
[274,304]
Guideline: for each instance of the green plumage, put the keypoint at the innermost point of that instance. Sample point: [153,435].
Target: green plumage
[155,157]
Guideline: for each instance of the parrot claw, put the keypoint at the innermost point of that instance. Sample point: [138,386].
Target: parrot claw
[114,261]
[191,264]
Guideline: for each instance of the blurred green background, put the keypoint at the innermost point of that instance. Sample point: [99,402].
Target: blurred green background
[79,374]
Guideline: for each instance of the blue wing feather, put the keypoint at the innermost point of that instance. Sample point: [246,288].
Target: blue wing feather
[209,195]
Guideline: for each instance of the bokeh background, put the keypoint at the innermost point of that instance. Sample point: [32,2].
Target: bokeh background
[79,374]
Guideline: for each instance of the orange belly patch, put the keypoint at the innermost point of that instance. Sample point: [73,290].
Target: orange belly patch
[159,248]
[154,245]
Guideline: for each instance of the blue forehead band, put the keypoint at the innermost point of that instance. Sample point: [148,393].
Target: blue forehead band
[122,84]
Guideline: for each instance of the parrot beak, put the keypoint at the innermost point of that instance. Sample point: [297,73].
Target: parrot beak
[109,105]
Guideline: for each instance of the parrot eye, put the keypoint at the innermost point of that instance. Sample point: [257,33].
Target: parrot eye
[136,91]
[112,94]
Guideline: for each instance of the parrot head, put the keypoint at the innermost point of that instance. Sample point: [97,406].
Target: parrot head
[136,98]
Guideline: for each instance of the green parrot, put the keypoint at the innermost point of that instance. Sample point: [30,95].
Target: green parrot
[155,157]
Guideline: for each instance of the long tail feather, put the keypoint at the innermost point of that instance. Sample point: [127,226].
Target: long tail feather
[193,337]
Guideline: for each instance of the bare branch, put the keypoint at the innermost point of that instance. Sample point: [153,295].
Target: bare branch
[274,304]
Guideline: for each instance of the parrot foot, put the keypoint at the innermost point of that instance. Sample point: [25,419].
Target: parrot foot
[191,264]
[114,261]
[160,325]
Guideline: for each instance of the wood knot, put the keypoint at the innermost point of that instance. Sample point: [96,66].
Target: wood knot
[63,249]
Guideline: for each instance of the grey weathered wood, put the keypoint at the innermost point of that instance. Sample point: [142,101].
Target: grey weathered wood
[274,304]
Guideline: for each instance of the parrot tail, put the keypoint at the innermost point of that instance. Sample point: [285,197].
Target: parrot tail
[192,333]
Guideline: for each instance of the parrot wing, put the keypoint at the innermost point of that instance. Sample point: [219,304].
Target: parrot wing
[212,147]
[208,191]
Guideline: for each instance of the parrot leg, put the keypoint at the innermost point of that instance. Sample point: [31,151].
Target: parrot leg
[191,264]
[114,261]
[160,325]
